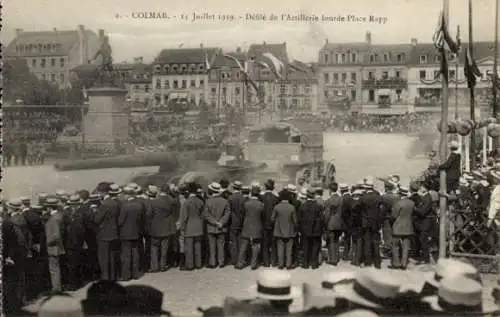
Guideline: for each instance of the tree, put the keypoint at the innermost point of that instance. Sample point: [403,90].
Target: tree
[19,82]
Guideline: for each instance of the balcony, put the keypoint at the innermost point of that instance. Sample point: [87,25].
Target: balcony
[389,83]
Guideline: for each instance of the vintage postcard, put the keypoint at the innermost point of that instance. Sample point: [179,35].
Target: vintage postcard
[257,158]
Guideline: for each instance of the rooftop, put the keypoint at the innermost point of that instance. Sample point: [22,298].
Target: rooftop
[185,55]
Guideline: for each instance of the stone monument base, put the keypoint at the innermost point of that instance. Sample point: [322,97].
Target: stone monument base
[107,121]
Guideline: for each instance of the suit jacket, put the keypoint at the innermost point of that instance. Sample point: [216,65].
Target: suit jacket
[106,219]
[388,200]
[236,204]
[285,220]
[452,166]
[35,224]
[253,219]
[347,211]
[270,200]
[13,242]
[162,216]
[190,219]
[19,221]
[333,213]
[74,229]
[371,215]
[131,221]
[54,232]
[402,213]
[216,211]
[311,218]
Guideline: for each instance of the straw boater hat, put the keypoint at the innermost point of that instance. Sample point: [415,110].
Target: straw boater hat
[343,187]
[368,183]
[310,193]
[15,204]
[275,285]
[448,268]
[61,306]
[51,202]
[454,144]
[74,200]
[237,185]
[337,277]
[358,313]
[403,191]
[128,190]
[25,200]
[373,288]
[291,188]
[152,191]
[114,189]
[215,187]
[457,294]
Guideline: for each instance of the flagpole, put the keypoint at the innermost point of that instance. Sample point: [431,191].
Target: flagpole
[472,147]
[443,147]
[495,74]
[218,92]
[456,81]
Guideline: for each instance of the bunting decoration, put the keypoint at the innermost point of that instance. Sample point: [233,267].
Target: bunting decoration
[277,63]
[471,71]
[444,43]
[245,70]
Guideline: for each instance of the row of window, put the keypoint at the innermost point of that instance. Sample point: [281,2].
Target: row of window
[38,48]
[138,88]
[351,58]
[182,68]
[335,78]
[53,77]
[435,73]
[295,90]
[44,62]
[175,84]
[353,94]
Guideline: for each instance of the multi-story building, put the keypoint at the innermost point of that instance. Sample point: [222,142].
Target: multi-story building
[423,76]
[226,81]
[180,77]
[300,89]
[51,55]
[137,78]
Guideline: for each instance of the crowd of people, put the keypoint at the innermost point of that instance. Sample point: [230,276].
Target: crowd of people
[359,122]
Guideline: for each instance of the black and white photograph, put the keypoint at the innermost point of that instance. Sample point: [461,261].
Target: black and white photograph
[210,158]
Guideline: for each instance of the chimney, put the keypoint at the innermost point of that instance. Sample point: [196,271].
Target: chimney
[201,45]
[414,42]
[326,41]
[54,29]
[101,35]
[238,49]
[138,60]
[368,37]
[19,31]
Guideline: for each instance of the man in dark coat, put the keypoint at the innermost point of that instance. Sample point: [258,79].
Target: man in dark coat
[236,204]
[452,167]
[225,192]
[251,233]
[311,224]
[191,226]
[388,199]
[423,218]
[334,223]
[54,233]
[402,229]
[372,223]
[74,238]
[131,223]
[161,224]
[346,220]
[216,215]
[33,216]
[90,252]
[285,229]
[106,221]
[270,200]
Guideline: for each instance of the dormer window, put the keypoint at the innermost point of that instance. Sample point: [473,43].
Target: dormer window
[386,57]
[157,68]
[401,58]
[437,59]
[192,68]
[166,68]
[423,59]
[354,58]
[201,67]
[183,68]
[326,59]
[175,67]
[372,58]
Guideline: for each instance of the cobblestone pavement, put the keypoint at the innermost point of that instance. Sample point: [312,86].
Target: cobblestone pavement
[186,290]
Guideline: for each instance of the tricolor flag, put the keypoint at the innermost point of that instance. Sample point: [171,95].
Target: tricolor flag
[207,63]
[245,70]
[471,71]
[279,66]
[442,38]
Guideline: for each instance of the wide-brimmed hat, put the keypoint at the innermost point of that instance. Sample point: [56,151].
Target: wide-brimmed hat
[15,204]
[132,185]
[114,189]
[454,144]
[74,200]
[340,276]
[215,187]
[368,183]
[463,182]
[457,294]
[343,187]
[24,199]
[275,285]
[291,188]
[36,208]
[358,313]
[302,193]
[94,197]
[61,193]
[129,190]
[372,288]
[63,306]
[403,191]
[237,185]
[449,268]
[51,202]
[310,192]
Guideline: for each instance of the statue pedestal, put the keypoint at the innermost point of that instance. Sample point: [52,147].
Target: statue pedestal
[107,120]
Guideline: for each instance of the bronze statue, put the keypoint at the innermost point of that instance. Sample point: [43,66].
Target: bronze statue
[105,75]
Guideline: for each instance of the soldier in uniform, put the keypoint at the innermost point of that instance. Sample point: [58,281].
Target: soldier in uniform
[54,233]
[131,223]
[161,224]
[216,215]
[191,225]
[270,201]
[236,205]
[251,233]
[74,239]
[106,221]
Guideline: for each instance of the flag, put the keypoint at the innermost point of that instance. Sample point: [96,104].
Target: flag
[471,71]
[207,63]
[277,63]
[244,69]
[442,38]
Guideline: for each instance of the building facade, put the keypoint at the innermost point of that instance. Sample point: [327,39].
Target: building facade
[180,77]
[51,55]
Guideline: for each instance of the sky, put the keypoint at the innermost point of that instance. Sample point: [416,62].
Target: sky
[132,36]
